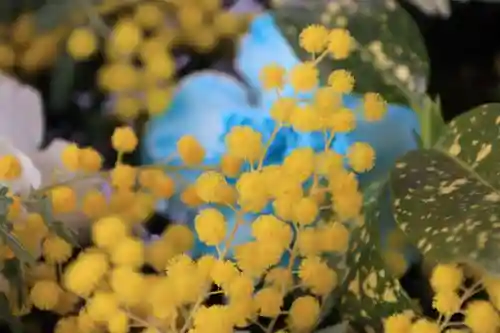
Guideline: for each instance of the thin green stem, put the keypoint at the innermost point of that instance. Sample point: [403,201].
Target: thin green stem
[268,144]
[293,256]
[227,244]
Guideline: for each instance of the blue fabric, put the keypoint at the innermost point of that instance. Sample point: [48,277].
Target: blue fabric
[208,104]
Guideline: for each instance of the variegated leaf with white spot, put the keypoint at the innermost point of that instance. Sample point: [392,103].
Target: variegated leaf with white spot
[447,199]
[390,59]
[370,292]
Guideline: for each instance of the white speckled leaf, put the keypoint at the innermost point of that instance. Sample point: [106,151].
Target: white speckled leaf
[400,68]
[447,199]
[371,292]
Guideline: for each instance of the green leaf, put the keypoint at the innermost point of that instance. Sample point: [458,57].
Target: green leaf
[16,246]
[52,14]
[61,83]
[65,233]
[447,199]
[372,23]
[56,226]
[431,120]
[14,323]
[370,293]
[4,190]
[13,272]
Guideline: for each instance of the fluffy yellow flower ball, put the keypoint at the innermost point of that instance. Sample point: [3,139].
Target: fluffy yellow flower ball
[300,163]
[10,168]
[326,100]
[118,77]
[164,187]
[109,231]
[304,77]
[317,276]
[102,305]
[149,15]
[343,121]
[190,197]
[375,107]
[398,323]
[446,277]
[118,322]
[282,109]
[482,317]
[82,43]
[361,157]
[305,119]
[128,252]
[157,100]
[341,81]
[244,142]
[56,250]
[124,139]
[348,205]
[213,319]
[223,272]
[313,39]
[303,313]
[272,76]
[123,177]
[83,275]
[252,193]
[70,157]
[340,43]
[128,285]
[269,302]
[180,236]
[64,199]
[90,160]
[125,37]
[446,302]
[211,187]
[270,229]
[210,226]
[45,294]
[231,165]
[94,204]
[305,211]
[190,150]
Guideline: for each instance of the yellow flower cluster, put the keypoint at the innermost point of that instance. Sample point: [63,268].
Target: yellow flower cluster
[147,37]
[453,297]
[307,184]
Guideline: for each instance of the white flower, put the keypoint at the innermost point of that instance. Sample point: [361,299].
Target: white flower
[21,134]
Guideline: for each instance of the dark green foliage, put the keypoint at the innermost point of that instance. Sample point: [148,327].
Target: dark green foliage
[370,292]
[447,198]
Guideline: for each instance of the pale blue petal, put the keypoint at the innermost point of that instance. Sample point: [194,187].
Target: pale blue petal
[391,137]
[199,108]
[264,45]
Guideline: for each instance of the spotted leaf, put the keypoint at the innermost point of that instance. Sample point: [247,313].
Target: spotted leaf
[370,292]
[447,199]
[390,59]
